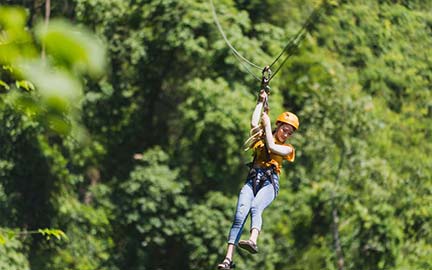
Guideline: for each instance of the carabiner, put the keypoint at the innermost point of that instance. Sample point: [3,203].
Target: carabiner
[266,75]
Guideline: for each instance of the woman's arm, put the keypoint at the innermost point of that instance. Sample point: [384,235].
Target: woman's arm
[282,150]
[256,114]
[258,108]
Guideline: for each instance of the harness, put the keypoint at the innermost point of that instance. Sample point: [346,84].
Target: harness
[258,180]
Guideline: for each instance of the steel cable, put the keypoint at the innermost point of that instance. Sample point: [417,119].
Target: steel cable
[291,47]
[235,52]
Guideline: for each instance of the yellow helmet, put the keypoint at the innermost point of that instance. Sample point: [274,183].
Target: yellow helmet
[289,118]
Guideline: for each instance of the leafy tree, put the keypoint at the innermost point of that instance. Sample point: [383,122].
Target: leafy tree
[173,90]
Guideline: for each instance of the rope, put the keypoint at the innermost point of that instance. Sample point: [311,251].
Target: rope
[234,51]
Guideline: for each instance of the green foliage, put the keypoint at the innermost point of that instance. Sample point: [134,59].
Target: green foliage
[71,52]
[79,50]
[152,209]
[151,192]
[206,223]
[12,254]
[52,232]
[211,132]
[39,111]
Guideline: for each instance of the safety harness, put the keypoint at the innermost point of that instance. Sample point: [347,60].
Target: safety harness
[258,180]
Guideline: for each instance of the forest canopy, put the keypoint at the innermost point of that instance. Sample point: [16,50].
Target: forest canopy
[123,125]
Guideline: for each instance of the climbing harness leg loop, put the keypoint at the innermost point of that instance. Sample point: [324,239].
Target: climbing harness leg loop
[258,179]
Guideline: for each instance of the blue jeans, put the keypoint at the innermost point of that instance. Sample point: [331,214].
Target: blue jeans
[247,202]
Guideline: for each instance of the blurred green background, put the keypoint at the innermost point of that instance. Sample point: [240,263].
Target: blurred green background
[89,84]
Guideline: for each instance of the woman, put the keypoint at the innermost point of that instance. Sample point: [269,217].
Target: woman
[262,184]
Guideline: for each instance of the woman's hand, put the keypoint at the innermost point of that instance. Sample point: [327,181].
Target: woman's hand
[262,96]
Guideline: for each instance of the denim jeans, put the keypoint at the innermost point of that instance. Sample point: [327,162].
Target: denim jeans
[248,203]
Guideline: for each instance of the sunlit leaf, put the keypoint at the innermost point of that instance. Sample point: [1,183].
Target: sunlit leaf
[26,85]
[52,83]
[4,85]
[12,18]
[2,240]
[73,45]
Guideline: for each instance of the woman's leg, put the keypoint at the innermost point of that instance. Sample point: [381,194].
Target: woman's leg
[264,198]
[242,210]
[228,257]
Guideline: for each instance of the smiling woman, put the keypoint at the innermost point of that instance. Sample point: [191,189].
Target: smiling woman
[262,183]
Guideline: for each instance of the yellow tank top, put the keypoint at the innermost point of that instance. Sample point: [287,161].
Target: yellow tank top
[264,160]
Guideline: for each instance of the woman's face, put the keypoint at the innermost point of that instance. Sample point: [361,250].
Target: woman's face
[283,132]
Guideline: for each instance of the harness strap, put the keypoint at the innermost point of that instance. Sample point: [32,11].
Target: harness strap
[258,180]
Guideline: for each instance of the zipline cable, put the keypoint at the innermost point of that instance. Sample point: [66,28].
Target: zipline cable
[246,67]
[235,52]
[289,49]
